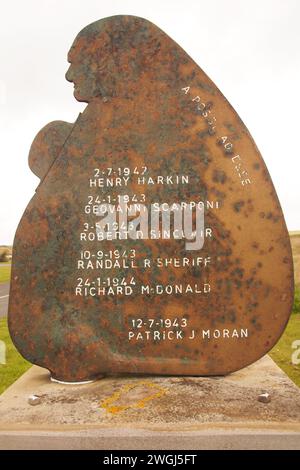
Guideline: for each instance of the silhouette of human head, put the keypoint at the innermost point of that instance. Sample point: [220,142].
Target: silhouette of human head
[109,57]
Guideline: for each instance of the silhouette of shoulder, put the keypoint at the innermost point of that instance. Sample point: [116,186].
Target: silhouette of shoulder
[47,145]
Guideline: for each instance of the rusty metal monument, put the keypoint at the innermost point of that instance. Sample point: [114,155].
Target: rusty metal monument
[155,242]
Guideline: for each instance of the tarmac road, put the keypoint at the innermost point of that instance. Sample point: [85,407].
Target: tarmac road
[4,291]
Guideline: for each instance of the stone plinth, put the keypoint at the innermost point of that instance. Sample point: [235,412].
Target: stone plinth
[154,412]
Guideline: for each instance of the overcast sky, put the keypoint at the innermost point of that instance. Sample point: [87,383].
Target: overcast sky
[249,48]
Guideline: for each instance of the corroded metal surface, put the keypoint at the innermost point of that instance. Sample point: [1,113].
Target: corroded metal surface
[155,130]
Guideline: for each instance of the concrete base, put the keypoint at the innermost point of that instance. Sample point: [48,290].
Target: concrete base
[154,412]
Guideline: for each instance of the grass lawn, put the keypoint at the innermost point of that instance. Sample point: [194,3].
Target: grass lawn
[295,242]
[283,351]
[4,272]
[15,364]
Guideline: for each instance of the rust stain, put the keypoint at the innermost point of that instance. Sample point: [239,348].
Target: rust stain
[148,105]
